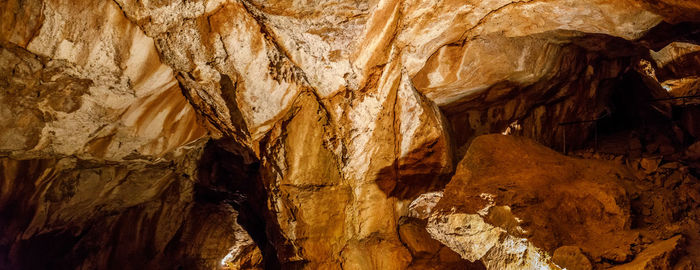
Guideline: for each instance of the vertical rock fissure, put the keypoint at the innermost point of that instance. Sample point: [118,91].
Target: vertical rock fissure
[229,175]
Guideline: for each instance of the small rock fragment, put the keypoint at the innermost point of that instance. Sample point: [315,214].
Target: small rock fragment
[649,164]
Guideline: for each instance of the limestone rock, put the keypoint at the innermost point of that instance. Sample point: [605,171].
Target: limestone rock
[512,187]
[87,84]
[661,255]
[474,239]
[67,208]
[571,257]
[427,252]
[152,130]
[422,206]
[675,10]
[243,255]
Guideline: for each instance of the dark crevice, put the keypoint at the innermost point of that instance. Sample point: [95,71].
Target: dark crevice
[231,176]
[228,92]
[664,33]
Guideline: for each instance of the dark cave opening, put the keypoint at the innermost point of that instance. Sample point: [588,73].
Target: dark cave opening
[232,177]
[640,114]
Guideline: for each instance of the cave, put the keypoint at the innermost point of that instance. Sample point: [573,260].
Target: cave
[336,134]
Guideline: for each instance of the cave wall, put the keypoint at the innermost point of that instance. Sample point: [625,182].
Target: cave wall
[150,134]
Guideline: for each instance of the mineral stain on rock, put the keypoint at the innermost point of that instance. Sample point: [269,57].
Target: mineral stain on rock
[346,134]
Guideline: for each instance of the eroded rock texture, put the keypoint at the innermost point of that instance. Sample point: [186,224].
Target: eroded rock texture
[248,134]
[515,205]
[513,202]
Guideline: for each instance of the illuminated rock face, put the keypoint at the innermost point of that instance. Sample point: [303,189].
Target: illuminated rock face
[156,132]
[499,205]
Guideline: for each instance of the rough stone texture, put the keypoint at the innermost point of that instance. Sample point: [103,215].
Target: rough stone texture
[571,257]
[510,190]
[543,189]
[474,239]
[70,213]
[428,253]
[661,255]
[88,84]
[99,147]
[325,120]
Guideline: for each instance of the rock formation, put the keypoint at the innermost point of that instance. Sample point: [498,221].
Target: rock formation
[250,134]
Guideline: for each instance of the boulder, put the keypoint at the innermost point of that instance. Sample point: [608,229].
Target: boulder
[509,188]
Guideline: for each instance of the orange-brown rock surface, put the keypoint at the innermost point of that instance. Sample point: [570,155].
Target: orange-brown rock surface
[515,204]
[246,134]
[534,193]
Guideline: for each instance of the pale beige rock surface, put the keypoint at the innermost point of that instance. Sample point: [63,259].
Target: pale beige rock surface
[88,84]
